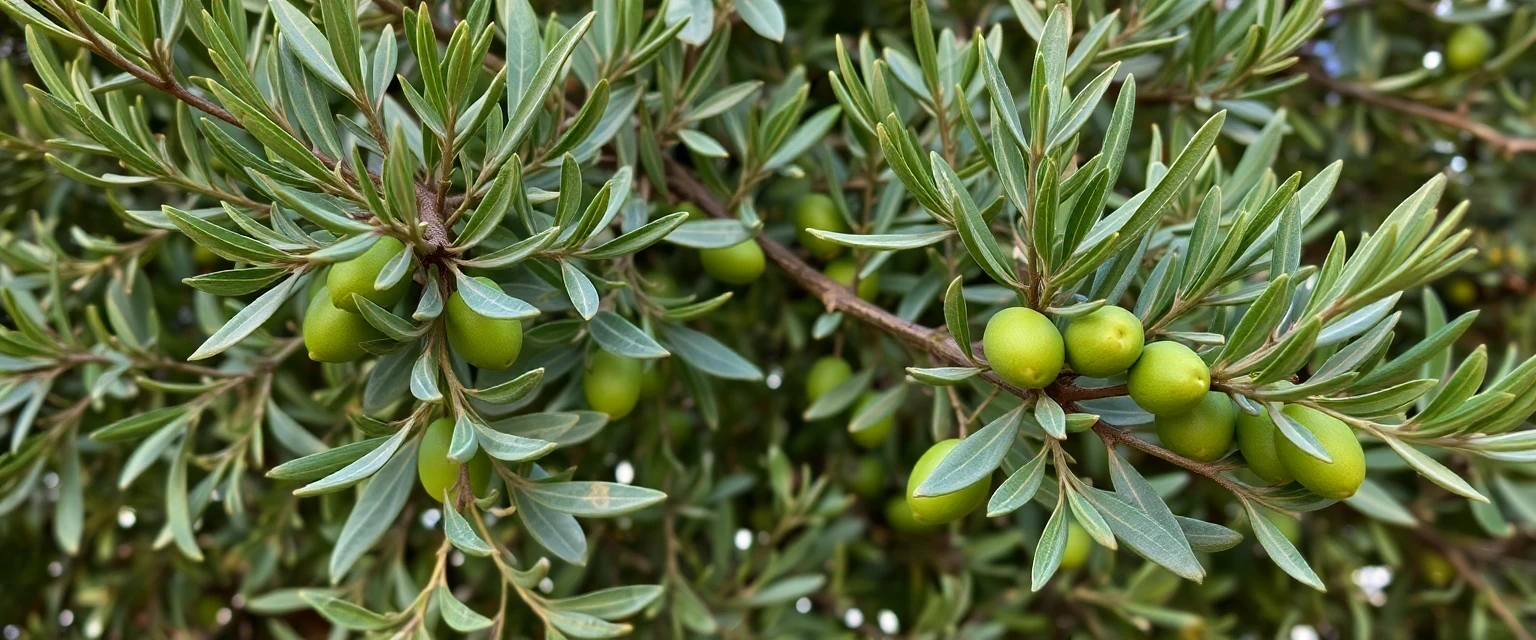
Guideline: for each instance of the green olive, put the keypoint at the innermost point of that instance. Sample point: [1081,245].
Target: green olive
[867,477]
[1338,479]
[827,372]
[1468,47]
[950,506]
[1202,434]
[1256,441]
[842,272]
[204,257]
[358,275]
[1436,569]
[876,434]
[1023,347]
[654,378]
[1461,292]
[899,515]
[1079,544]
[694,212]
[660,283]
[1168,378]
[740,263]
[1104,343]
[818,211]
[612,384]
[333,335]
[488,343]
[437,472]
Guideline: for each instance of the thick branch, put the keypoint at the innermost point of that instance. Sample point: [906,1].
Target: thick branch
[1510,145]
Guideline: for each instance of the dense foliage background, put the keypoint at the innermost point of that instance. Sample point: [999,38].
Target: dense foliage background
[178,178]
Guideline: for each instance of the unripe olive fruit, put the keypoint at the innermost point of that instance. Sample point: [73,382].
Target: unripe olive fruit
[333,335]
[694,212]
[1202,434]
[204,257]
[1104,343]
[950,506]
[1256,441]
[612,384]
[817,211]
[1468,47]
[1079,544]
[1436,569]
[653,378]
[827,372]
[1023,347]
[876,434]
[867,476]
[660,283]
[358,275]
[1168,378]
[437,472]
[899,515]
[740,263]
[1338,479]
[488,343]
[842,272]
[1461,292]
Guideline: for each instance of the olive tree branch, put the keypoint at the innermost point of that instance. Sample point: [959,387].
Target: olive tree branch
[940,345]
[429,205]
[1510,145]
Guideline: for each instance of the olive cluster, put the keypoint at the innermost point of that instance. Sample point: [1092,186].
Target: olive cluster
[335,330]
[1166,379]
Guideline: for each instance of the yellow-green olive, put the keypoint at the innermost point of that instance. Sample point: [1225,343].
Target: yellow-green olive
[827,372]
[1203,433]
[1256,441]
[356,276]
[694,212]
[612,384]
[817,211]
[1436,569]
[740,263]
[333,335]
[899,515]
[1023,347]
[876,434]
[488,343]
[654,378]
[437,472]
[843,271]
[1104,343]
[1079,545]
[950,506]
[867,476]
[1338,479]
[1468,47]
[1169,378]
